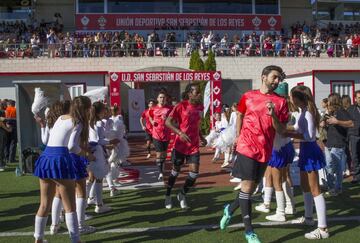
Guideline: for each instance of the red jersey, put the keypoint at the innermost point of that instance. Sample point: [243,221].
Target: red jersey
[188,116]
[159,114]
[257,133]
[148,126]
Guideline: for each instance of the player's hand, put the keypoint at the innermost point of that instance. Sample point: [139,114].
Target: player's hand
[203,141]
[271,108]
[39,120]
[332,120]
[184,137]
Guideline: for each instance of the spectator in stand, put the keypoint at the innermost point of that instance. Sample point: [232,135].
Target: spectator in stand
[51,41]
[10,115]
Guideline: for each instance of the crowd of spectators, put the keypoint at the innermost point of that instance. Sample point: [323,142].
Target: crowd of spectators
[48,39]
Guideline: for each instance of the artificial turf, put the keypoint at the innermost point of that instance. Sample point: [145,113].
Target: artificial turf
[19,200]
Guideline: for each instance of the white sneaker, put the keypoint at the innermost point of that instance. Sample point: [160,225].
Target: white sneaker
[182,199]
[225,164]
[289,210]
[91,201]
[238,187]
[235,180]
[317,234]
[148,156]
[276,217]
[88,217]
[114,192]
[262,207]
[54,229]
[102,209]
[161,176]
[2,169]
[168,202]
[303,220]
[86,229]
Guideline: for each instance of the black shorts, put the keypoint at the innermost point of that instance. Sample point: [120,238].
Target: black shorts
[178,158]
[148,137]
[249,169]
[160,146]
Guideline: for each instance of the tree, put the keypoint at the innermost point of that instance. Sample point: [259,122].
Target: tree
[197,64]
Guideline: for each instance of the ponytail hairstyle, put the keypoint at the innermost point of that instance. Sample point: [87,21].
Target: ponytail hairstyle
[55,111]
[96,108]
[79,111]
[303,93]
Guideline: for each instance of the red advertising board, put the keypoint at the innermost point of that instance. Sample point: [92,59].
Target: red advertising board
[92,22]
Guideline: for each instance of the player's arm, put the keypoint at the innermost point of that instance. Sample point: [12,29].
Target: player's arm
[239,121]
[142,123]
[171,123]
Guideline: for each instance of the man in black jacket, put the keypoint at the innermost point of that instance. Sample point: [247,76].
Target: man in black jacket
[354,137]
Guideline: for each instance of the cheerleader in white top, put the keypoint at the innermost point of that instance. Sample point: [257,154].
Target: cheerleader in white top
[226,139]
[56,168]
[99,168]
[311,158]
[214,134]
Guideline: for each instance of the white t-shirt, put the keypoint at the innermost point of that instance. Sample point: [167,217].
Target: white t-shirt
[65,134]
[305,125]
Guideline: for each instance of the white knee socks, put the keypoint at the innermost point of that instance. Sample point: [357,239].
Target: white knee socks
[56,210]
[280,202]
[289,195]
[40,224]
[80,210]
[73,226]
[267,195]
[308,204]
[98,190]
[109,180]
[320,210]
[92,190]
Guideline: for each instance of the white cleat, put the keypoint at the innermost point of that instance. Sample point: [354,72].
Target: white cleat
[263,208]
[317,234]
[114,192]
[88,217]
[91,201]
[102,209]
[86,229]
[54,229]
[161,176]
[148,156]
[238,187]
[168,202]
[276,217]
[304,221]
[182,199]
[235,180]
[289,210]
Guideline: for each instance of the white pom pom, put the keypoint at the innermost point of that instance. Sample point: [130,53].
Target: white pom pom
[40,101]
[97,94]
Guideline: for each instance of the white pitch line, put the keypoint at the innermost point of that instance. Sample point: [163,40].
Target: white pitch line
[185,227]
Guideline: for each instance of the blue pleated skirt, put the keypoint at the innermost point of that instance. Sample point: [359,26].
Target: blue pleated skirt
[283,157]
[80,164]
[311,157]
[55,163]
